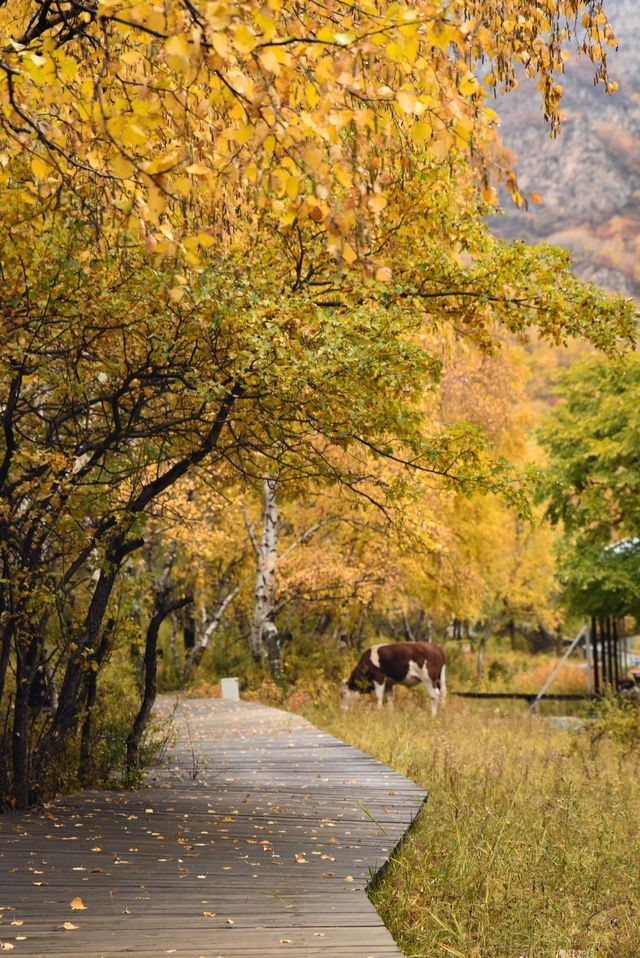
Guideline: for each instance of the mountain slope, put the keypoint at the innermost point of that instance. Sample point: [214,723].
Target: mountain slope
[589,177]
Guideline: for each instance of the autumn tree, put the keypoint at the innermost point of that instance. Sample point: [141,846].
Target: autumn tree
[226,233]
[592,485]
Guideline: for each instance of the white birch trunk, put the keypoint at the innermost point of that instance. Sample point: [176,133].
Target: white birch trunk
[266,551]
[202,642]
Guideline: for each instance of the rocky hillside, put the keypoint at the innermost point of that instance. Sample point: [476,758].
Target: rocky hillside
[589,178]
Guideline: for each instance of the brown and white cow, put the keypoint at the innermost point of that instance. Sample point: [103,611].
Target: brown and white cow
[398,663]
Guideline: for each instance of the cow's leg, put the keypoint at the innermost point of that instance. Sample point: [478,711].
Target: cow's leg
[432,692]
[443,685]
[389,690]
[379,690]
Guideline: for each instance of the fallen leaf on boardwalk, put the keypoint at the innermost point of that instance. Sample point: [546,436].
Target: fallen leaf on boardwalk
[77,904]
[301,860]
[230,921]
[349,878]
[18,921]
[327,875]
[209,914]
[69,926]
[6,946]
[318,934]
[285,941]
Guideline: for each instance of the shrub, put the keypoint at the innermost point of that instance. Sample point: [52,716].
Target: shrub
[618,719]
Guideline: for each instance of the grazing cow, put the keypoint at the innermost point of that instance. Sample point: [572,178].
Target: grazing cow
[398,663]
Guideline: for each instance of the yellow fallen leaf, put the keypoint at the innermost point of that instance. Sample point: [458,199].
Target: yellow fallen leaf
[69,926]
[77,904]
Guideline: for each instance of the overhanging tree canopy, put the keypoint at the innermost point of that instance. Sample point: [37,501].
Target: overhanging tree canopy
[196,120]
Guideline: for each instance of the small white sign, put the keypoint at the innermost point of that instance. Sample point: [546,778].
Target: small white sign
[230,689]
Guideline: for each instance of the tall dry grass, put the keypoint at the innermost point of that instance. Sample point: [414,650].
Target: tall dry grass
[529,844]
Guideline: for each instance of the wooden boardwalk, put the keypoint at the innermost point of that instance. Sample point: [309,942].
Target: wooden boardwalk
[257,838]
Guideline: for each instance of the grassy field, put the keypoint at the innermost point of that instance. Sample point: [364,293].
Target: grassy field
[529,846]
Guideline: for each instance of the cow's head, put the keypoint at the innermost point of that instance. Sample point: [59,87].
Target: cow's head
[348,697]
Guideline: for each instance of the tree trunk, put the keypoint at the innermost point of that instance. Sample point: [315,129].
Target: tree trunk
[189,630]
[410,637]
[163,608]
[195,656]
[480,659]
[274,651]
[86,764]
[266,563]
[6,629]
[173,645]
[27,656]
[428,632]
[70,699]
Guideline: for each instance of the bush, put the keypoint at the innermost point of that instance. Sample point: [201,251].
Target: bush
[618,719]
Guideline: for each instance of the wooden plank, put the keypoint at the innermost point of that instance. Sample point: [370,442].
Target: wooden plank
[256,837]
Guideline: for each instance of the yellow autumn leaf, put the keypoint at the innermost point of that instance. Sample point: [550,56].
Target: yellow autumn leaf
[77,904]
[177,52]
[243,39]
[407,101]
[421,132]
[198,169]
[469,85]
[39,168]
[122,167]
[349,255]
[490,195]
[377,202]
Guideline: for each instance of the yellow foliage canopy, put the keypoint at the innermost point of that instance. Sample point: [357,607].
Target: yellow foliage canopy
[297,113]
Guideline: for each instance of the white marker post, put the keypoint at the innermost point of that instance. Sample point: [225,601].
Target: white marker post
[230,689]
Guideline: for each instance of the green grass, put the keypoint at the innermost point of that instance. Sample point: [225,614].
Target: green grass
[529,846]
